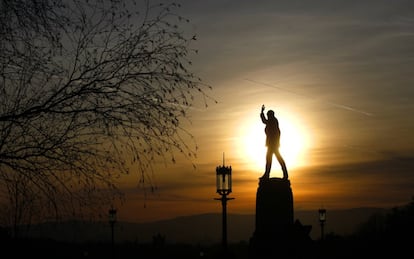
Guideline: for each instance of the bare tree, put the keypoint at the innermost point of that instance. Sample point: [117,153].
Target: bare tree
[88,89]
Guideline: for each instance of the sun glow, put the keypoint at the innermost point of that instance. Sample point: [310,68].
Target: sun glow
[252,149]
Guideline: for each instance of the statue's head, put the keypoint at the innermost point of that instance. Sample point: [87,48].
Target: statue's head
[271,113]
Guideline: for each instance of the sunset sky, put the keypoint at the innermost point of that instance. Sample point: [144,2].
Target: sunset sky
[339,76]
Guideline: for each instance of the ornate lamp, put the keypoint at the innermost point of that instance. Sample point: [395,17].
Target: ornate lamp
[112,220]
[223,181]
[322,219]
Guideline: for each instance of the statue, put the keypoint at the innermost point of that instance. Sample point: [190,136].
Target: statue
[272,131]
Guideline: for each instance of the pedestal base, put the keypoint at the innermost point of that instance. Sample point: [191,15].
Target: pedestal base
[276,234]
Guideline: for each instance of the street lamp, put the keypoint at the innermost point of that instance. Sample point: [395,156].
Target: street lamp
[223,181]
[322,219]
[112,220]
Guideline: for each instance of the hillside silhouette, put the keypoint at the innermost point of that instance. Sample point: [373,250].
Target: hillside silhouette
[195,229]
[384,232]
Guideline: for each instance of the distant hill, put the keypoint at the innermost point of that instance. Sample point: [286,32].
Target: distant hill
[197,229]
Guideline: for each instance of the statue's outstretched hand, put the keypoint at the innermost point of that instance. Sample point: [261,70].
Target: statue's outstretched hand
[263,107]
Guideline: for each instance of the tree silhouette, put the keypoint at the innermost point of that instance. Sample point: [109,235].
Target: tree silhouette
[88,90]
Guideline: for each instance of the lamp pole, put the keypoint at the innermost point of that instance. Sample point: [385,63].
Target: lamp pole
[322,219]
[223,181]
[112,220]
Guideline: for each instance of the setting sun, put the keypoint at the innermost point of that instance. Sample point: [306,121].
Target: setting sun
[251,143]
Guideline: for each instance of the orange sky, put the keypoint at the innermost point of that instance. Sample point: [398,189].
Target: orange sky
[338,75]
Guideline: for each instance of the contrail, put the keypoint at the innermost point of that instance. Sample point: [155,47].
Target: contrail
[345,107]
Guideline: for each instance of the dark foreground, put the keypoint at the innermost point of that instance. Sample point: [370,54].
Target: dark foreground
[331,247]
[382,236]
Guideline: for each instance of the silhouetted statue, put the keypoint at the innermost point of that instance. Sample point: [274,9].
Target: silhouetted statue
[272,131]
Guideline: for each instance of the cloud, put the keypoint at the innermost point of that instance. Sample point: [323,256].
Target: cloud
[386,181]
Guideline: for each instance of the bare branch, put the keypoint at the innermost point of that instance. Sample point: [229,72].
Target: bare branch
[89,88]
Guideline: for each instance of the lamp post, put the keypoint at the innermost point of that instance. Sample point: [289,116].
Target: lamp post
[223,181]
[322,219]
[112,220]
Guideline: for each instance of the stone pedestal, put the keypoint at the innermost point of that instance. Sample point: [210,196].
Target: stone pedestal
[274,206]
[276,235]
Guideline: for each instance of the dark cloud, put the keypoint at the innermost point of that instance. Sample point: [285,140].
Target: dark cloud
[388,181]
